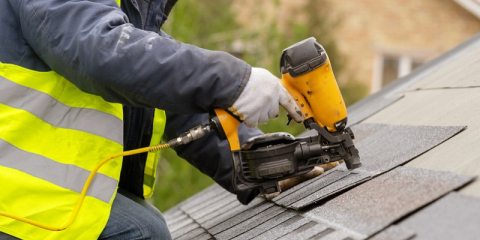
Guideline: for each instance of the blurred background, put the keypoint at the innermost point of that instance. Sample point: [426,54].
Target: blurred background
[370,44]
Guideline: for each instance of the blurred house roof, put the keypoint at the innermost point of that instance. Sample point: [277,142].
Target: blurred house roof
[418,140]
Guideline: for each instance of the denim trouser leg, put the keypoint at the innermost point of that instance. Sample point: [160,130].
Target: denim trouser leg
[129,220]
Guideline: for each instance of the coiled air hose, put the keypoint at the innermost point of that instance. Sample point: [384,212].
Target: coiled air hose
[191,135]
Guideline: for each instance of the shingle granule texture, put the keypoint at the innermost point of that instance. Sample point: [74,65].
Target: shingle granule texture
[306,188]
[455,216]
[283,228]
[382,147]
[389,146]
[356,177]
[376,204]
[394,233]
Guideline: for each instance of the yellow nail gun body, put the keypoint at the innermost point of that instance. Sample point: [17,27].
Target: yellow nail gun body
[265,160]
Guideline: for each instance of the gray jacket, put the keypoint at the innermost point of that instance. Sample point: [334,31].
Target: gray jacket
[104,51]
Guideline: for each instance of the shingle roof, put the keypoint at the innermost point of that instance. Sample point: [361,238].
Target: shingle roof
[418,140]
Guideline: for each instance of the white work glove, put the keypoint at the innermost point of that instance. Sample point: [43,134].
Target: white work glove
[261,98]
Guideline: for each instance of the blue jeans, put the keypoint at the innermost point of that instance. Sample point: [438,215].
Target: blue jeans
[129,220]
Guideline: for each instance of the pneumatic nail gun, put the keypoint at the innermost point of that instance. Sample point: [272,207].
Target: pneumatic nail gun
[265,160]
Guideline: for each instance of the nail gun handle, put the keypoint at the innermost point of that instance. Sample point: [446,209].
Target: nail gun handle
[308,77]
[226,126]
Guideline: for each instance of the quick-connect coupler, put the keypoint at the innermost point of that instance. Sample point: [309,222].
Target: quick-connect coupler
[190,135]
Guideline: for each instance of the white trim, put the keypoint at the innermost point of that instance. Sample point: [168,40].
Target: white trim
[377,73]
[404,66]
[472,6]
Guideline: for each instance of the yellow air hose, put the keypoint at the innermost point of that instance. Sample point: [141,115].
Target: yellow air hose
[85,188]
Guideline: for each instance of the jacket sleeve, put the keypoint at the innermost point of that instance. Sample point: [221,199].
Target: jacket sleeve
[92,44]
[210,155]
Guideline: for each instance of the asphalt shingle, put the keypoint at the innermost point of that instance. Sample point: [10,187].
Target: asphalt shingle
[454,216]
[229,218]
[184,230]
[354,178]
[306,231]
[376,204]
[271,223]
[394,233]
[308,187]
[283,228]
[392,145]
[407,143]
[201,209]
[245,225]
[193,234]
[179,224]
[241,217]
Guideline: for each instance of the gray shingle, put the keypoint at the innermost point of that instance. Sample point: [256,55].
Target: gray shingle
[283,228]
[239,218]
[200,206]
[172,212]
[394,232]
[354,178]
[204,236]
[212,205]
[323,234]
[235,230]
[393,145]
[362,131]
[220,211]
[409,142]
[173,219]
[184,230]
[314,185]
[306,231]
[251,209]
[206,194]
[334,235]
[454,216]
[179,224]
[465,71]
[193,234]
[376,204]
[271,223]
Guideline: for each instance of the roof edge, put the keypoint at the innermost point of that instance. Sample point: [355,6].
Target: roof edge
[419,73]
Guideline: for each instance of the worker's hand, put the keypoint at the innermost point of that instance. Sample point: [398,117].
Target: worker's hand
[289,183]
[261,98]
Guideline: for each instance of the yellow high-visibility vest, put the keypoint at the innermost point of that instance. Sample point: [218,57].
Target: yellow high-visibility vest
[51,136]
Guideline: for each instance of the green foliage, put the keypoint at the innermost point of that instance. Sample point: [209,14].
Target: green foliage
[353,91]
[177,181]
[211,24]
[195,22]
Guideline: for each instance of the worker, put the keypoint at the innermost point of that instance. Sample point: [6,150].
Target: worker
[80,80]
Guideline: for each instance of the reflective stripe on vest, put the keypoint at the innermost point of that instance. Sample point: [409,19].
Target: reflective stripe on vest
[153,157]
[51,136]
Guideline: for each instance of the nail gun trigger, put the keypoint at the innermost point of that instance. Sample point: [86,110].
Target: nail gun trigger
[289,119]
